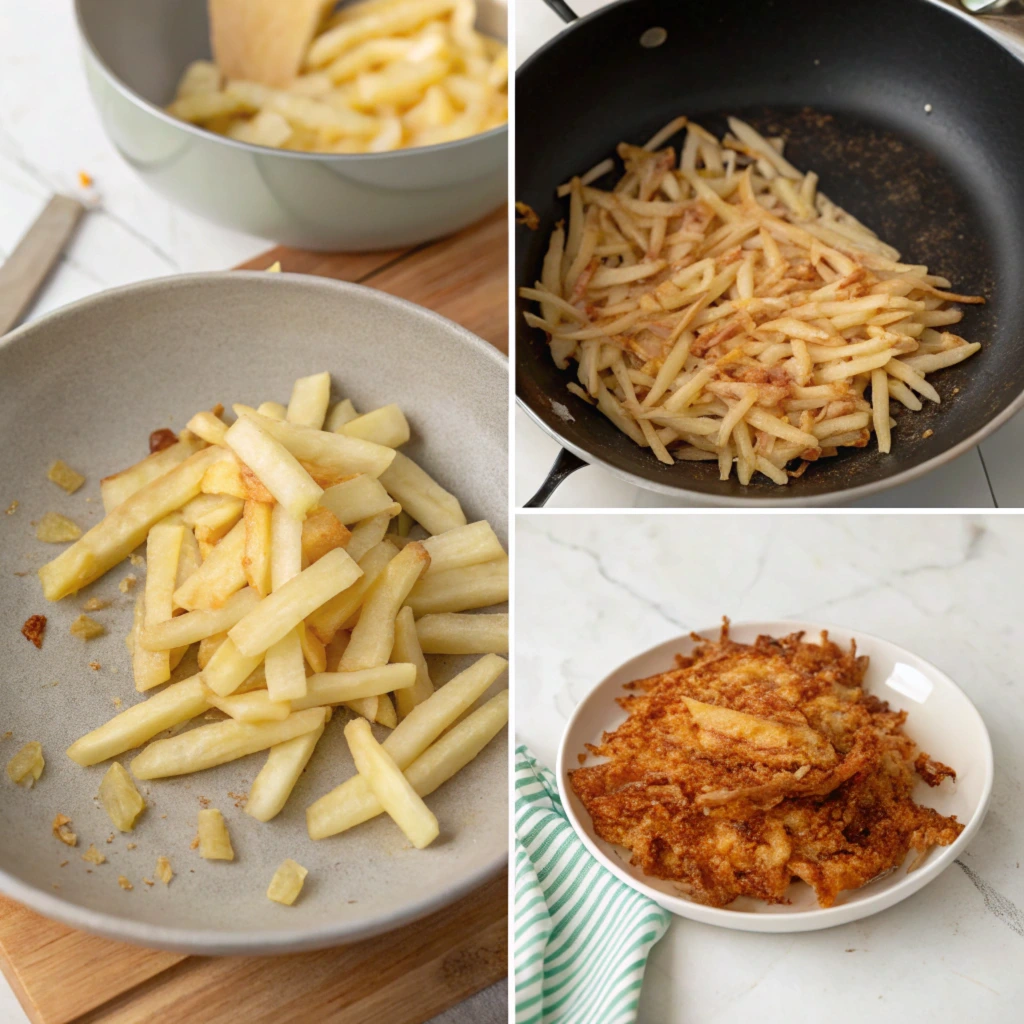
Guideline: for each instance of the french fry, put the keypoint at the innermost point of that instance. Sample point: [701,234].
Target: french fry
[313,651]
[208,647]
[121,486]
[458,590]
[355,804]
[322,532]
[220,576]
[277,468]
[201,505]
[387,426]
[195,626]
[374,634]
[356,499]
[407,649]
[455,633]
[391,788]
[324,688]
[462,546]
[285,547]
[277,778]
[344,412]
[286,667]
[309,401]
[333,812]
[214,841]
[385,713]
[273,410]
[216,524]
[227,669]
[333,614]
[256,706]
[434,508]
[287,882]
[163,547]
[225,477]
[125,528]
[370,532]
[134,726]
[208,426]
[211,745]
[189,558]
[256,556]
[287,606]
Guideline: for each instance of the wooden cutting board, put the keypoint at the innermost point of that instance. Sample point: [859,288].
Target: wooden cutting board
[62,976]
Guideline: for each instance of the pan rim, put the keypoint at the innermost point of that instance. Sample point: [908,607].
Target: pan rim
[832,497]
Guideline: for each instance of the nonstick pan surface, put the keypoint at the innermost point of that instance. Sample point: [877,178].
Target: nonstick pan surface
[909,112]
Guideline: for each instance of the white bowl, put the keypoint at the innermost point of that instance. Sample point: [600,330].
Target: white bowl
[941,720]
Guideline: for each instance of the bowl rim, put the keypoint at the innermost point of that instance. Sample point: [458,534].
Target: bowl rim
[797,921]
[252,941]
[158,112]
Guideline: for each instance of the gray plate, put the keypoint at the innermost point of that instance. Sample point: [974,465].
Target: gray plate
[87,384]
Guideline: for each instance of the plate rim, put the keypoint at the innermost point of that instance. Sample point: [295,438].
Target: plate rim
[798,921]
[217,942]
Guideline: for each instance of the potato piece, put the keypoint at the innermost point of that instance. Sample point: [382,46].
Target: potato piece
[465,545]
[220,576]
[369,532]
[194,626]
[86,629]
[278,776]
[391,788]
[164,872]
[456,633]
[276,467]
[61,828]
[384,713]
[27,765]
[214,841]
[309,401]
[228,668]
[65,477]
[256,558]
[407,649]
[273,410]
[374,634]
[332,615]
[211,745]
[313,650]
[120,799]
[387,426]
[287,882]
[322,532]
[203,504]
[210,427]
[189,557]
[434,508]
[356,499]
[287,606]
[121,486]
[163,547]
[459,590]
[286,668]
[251,707]
[208,647]
[93,856]
[53,528]
[344,412]
[324,688]
[225,477]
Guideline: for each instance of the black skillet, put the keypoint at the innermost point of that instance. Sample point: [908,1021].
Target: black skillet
[911,113]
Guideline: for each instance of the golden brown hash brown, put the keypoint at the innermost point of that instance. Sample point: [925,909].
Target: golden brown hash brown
[750,765]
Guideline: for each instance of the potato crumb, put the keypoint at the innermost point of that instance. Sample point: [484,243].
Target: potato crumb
[96,604]
[27,765]
[116,701]
[204,801]
[127,583]
[241,799]
[928,433]
[287,883]
[64,476]
[121,800]
[64,863]
[13,507]
[131,846]
[54,528]
[148,881]
[84,179]
[124,883]
[163,870]
[214,841]
[93,856]
[62,830]
[161,439]
[86,628]
[527,215]
[137,560]
[95,666]
[33,629]
[7,735]
[194,845]
[110,838]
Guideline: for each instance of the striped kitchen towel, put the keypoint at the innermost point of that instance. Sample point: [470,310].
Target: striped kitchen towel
[581,936]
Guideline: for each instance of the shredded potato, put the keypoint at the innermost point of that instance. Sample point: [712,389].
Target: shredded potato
[719,307]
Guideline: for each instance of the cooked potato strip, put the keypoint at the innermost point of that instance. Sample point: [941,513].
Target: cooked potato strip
[459,590]
[277,778]
[407,649]
[455,633]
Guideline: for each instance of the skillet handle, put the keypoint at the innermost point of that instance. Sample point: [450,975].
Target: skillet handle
[564,11]
[565,465]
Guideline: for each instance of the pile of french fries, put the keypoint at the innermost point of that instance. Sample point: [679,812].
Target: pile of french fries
[720,307]
[282,545]
[380,75]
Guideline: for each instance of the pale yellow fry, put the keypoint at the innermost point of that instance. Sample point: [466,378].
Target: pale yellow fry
[277,469]
[374,635]
[125,528]
[736,412]
[214,841]
[286,668]
[390,786]
[131,728]
[209,427]
[256,557]
[281,771]
[776,475]
[163,547]
[459,590]
[256,706]
[272,410]
[324,688]
[370,532]
[121,486]
[434,508]
[462,546]
[457,633]
[880,408]
[356,499]
[220,576]
[387,426]
[929,363]
[410,738]
[309,401]
[851,368]
[211,745]
[407,649]
[287,606]
[194,626]
[228,669]
[202,505]
[355,804]
[344,412]
[908,375]
[764,420]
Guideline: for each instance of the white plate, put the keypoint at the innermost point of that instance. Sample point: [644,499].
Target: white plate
[942,721]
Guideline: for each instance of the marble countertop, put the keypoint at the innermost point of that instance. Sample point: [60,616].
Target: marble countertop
[49,132]
[592,591]
[986,477]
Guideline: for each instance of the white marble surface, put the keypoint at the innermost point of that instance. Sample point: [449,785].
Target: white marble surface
[592,591]
[986,477]
[49,132]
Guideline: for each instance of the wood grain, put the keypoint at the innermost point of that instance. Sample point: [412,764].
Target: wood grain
[62,976]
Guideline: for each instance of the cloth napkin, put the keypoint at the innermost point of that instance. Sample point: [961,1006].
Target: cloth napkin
[581,936]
